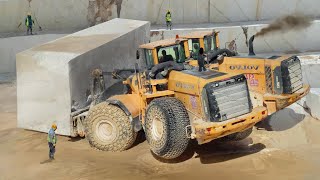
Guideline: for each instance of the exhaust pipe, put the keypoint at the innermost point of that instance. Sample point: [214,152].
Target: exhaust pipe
[251,52]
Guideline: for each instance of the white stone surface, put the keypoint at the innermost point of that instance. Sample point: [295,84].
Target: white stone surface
[51,75]
[302,102]
[313,102]
[311,70]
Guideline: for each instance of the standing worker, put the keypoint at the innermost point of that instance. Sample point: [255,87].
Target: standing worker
[168,19]
[29,23]
[52,141]
[201,61]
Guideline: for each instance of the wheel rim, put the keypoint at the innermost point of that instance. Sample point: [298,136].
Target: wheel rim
[157,128]
[106,131]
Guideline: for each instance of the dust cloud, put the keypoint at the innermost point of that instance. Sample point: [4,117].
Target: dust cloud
[286,23]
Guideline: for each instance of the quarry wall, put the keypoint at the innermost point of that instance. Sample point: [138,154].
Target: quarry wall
[75,14]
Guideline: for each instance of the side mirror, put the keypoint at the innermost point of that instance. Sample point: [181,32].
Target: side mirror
[138,54]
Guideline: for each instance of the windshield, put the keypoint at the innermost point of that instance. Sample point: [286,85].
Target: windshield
[209,43]
[194,46]
[149,58]
[172,53]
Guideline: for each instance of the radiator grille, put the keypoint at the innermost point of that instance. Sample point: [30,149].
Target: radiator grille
[227,99]
[291,75]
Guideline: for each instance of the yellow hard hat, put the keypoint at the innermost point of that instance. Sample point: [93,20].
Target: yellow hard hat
[54,126]
[29,13]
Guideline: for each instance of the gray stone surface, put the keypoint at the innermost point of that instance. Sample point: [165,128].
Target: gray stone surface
[52,15]
[50,76]
[9,47]
[313,102]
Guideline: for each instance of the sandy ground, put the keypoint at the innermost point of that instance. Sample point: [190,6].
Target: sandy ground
[285,147]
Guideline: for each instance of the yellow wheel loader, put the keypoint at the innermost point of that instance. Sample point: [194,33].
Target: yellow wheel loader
[172,102]
[274,81]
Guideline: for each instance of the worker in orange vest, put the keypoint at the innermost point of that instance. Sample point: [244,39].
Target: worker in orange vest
[52,141]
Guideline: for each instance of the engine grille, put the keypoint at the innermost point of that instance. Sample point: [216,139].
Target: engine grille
[268,79]
[291,75]
[227,99]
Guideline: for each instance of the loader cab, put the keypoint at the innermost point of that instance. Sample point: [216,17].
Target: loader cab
[174,51]
[208,40]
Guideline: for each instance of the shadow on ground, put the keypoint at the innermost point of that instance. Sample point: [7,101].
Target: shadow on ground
[140,139]
[216,151]
[75,139]
[280,121]
[46,161]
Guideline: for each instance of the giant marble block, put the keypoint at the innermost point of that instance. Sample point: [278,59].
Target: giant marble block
[52,76]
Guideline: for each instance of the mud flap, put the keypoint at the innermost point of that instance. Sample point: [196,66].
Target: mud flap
[135,122]
[120,105]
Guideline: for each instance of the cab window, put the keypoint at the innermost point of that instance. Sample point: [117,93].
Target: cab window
[209,43]
[149,58]
[194,46]
[173,53]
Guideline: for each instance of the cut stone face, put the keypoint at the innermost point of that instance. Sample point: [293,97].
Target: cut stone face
[313,102]
[53,75]
[311,70]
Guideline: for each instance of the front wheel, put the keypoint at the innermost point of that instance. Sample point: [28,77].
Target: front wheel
[165,127]
[108,128]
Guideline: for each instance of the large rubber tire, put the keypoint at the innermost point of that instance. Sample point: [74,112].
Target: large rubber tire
[165,127]
[238,136]
[108,128]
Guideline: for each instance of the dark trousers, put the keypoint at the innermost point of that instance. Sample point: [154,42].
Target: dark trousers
[169,24]
[201,67]
[52,150]
[29,30]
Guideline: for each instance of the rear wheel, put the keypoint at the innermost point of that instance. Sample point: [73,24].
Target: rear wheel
[238,136]
[108,128]
[165,127]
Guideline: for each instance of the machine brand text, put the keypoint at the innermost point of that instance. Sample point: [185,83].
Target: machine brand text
[244,67]
[184,86]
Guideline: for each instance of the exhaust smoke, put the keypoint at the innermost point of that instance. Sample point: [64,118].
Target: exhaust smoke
[286,23]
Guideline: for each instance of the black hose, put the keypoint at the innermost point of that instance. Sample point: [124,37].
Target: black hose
[214,54]
[165,65]
[251,52]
